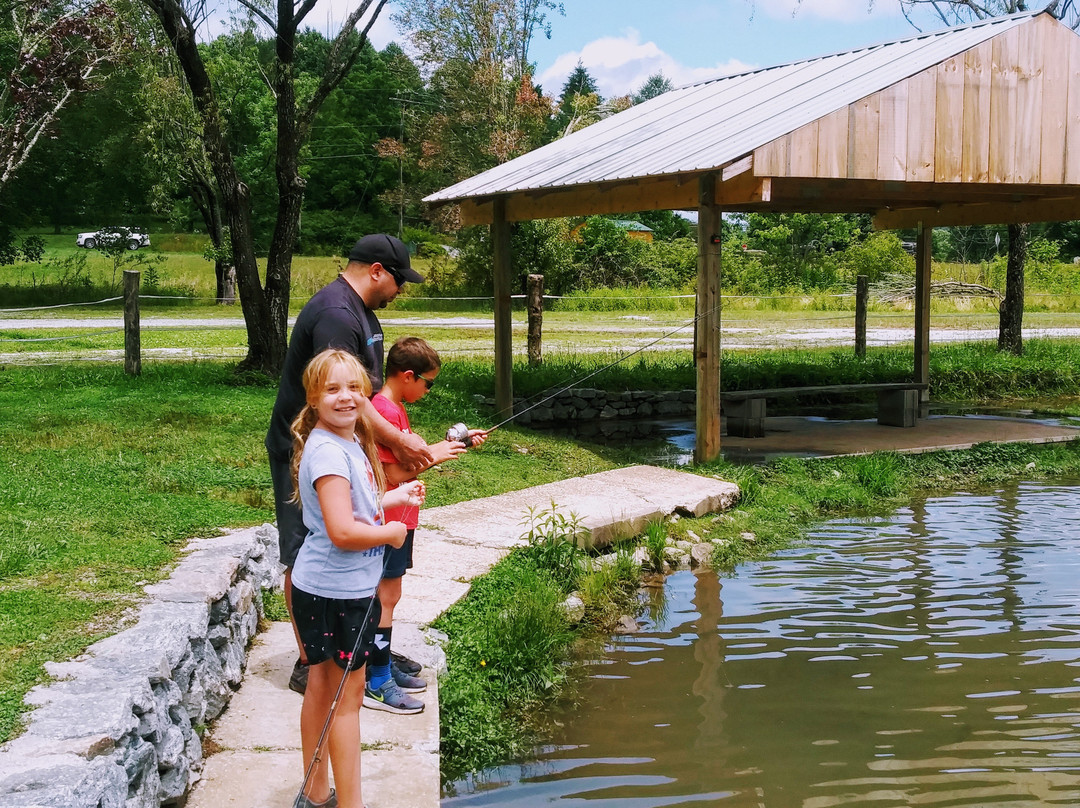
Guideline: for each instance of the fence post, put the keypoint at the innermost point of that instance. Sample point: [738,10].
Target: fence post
[536,318]
[862,293]
[132,344]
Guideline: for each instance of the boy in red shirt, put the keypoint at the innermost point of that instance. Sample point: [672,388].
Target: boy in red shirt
[411,368]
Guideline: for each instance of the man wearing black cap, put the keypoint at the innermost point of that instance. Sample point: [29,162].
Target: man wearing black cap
[340,315]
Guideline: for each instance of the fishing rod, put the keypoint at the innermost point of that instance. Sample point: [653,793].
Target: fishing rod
[301,800]
[460,432]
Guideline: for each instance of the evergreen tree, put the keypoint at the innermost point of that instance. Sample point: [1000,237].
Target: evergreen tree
[656,84]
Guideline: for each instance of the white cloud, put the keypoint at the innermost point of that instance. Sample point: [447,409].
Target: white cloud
[621,64]
[838,10]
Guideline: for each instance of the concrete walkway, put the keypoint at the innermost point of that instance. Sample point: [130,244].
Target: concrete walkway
[258,762]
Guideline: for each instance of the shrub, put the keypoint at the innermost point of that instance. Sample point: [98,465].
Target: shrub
[881,254]
[33,249]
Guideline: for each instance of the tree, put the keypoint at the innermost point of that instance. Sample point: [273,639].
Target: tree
[296,103]
[579,97]
[656,84]
[958,12]
[51,51]
[482,108]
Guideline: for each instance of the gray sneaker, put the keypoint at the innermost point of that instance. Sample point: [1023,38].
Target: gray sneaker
[303,802]
[408,683]
[391,699]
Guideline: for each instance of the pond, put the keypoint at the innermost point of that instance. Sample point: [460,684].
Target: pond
[930,658]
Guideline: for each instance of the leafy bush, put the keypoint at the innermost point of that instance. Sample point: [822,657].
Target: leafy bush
[879,255]
[9,253]
[607,255]
[33,249]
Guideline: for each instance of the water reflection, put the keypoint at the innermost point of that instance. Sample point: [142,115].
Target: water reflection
[931,658]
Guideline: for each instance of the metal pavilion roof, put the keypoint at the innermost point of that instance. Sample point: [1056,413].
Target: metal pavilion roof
[708,125]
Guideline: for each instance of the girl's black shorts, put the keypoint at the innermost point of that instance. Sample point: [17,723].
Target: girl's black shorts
[328,627]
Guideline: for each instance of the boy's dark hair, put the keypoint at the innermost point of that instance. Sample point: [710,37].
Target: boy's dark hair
[411,353]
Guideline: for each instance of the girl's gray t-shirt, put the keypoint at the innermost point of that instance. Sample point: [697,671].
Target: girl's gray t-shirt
[321,567]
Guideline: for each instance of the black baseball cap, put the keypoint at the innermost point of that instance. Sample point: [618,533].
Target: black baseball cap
[391,252]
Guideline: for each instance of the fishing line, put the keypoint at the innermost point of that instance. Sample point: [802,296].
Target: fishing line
[300,796]
[460,432]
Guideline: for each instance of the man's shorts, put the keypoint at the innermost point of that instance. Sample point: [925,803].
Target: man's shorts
[328,627]
[290,519]
[399,559]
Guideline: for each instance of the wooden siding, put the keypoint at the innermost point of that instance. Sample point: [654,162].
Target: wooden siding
[1002,112]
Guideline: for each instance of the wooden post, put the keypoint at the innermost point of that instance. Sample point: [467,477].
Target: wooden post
[862,292]
[923,247]
[536,319]
[132,343]
[504,357]
[707,324]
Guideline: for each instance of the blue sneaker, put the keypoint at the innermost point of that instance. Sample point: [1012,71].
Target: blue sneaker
[407,682]
[391,699]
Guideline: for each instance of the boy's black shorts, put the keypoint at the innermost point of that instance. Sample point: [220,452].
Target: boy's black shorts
[399,559]
[328,627]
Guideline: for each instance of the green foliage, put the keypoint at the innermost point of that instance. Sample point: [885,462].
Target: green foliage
[656,84]
[1041,255]
[655,543]
[607,255]
[219,252]
[9,252]
[543,247]
[554,544]
[274,608]
[879,255]
[507,637]
[33,249]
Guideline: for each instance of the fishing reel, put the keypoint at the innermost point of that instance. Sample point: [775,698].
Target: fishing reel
[460,433]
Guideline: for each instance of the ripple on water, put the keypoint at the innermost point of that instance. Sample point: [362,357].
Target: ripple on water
[930,658]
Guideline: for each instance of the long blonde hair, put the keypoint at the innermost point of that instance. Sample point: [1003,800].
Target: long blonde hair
[315,375]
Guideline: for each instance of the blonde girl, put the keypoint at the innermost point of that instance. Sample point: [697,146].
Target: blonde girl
[342,491]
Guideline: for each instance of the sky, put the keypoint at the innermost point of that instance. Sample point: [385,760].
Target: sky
[623,42]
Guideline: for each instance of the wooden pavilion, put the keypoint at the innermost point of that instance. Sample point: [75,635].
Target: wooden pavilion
[972,125]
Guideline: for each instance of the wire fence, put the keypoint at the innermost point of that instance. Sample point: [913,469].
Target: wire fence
[627,332]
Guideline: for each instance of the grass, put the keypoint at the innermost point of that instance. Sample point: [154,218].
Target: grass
[103,478]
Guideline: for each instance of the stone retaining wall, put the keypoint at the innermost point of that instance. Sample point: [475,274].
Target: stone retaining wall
[119,726]
[585,404]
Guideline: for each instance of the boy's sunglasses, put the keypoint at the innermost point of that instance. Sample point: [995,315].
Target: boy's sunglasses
[425,380]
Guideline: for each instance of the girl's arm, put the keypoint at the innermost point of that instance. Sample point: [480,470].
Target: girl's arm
[344,530]
[412,493]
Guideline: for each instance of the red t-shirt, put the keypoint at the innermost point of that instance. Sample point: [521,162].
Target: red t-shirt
[396,415]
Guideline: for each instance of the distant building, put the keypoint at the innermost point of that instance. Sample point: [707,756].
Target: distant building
[633,230]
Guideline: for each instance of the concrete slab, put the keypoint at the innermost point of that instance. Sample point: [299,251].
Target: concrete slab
[259,734]
[819,438]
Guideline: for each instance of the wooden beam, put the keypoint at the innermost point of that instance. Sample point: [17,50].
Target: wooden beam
[923,246]
[625,196]
[707,324]
[504,357]
[1036,210]
[742,189]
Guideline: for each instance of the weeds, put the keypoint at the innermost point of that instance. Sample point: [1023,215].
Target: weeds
[655,543]
[553,544]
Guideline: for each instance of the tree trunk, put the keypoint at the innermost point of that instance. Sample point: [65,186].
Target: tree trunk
[266,333]
[206,199]
[1010,335]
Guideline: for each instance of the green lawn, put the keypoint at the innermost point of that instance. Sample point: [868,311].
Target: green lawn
[103,479]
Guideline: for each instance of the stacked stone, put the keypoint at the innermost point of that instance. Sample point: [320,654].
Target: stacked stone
[119,726]
[587,404]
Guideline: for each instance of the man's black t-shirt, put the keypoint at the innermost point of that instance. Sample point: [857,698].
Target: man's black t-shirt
[335,317]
